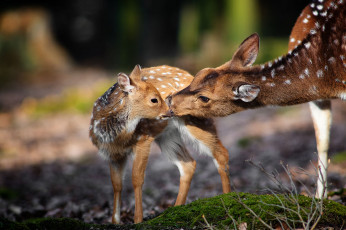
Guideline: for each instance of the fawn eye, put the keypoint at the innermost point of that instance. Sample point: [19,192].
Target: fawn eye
[154,100]
[204,99]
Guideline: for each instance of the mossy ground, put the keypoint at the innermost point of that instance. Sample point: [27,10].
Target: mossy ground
[220,212]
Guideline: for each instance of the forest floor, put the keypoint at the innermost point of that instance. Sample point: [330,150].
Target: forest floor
[49,167]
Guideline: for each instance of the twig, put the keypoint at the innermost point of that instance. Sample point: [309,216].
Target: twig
[252,212]
[227,212]
[208,225]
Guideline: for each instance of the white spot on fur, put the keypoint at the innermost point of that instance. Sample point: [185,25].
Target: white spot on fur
[319,7]
[144,78]
[331,60]
[177,79]
[152,71]
[151,77]
[272,73]
[307,45]
[315,12]
[292,40]
[281,67]
[288,82]
[264,78]
[306,71]
[319,73]
[301,76]
[163,86]
[305,20]
[159,79]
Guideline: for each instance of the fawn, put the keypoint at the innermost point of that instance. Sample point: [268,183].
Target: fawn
[125,121]
[315,69]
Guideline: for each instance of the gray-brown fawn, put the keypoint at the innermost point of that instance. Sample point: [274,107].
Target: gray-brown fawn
[125,121]
[314,70]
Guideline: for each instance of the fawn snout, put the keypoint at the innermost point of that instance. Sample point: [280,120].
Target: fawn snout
[169,112]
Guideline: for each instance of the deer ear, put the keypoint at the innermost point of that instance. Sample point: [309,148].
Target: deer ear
[124,83]
[247,52]
[246,92]
[135,75]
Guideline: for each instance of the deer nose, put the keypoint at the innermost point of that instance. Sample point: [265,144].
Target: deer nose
[169,113]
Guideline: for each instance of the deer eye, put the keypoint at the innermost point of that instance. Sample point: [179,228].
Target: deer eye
[204,99]
[154,100]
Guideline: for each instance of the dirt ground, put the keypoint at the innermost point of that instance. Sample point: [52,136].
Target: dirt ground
[50,168]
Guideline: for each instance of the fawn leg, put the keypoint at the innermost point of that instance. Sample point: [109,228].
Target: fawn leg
[186,168]
[221,158]
[116,172]
[172,145]
[204,132]
[141,154]
[322,119]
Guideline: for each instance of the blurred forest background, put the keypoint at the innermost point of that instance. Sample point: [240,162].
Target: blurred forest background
[52,36]
[57,57]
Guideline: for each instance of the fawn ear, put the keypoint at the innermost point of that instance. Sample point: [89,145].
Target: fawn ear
[246,92]
[247,52]
[135,75]
[124,83]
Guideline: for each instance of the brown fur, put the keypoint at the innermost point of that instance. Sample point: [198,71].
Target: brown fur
[314,70]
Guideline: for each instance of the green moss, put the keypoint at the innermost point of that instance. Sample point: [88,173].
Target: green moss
[265,206]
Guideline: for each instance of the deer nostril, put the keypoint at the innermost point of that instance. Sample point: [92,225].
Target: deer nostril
[169,100]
